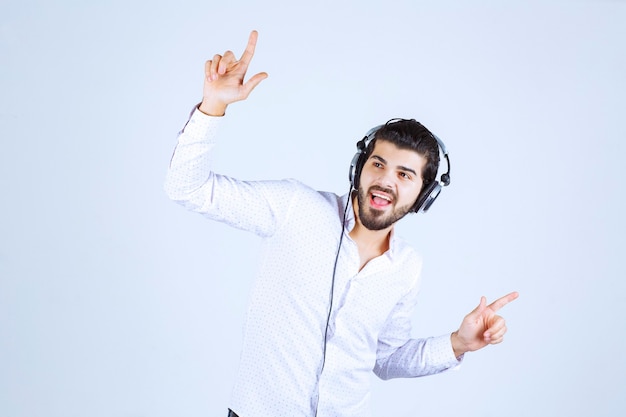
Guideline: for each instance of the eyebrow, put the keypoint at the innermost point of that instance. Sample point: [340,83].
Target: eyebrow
[400,167]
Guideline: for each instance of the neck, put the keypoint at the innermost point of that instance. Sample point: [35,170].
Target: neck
[370,240]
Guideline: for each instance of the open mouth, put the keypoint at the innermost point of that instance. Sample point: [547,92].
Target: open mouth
[380,200]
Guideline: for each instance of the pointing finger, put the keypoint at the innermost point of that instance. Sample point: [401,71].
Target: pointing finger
[501,302]
[247,55]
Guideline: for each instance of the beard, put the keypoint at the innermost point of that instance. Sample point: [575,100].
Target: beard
[374,219]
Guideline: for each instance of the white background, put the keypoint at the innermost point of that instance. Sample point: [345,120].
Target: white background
[115,301]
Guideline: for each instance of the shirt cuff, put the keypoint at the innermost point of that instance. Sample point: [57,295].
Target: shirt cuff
[200,127]
[443,346]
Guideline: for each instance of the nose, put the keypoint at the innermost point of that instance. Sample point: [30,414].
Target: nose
[387,179]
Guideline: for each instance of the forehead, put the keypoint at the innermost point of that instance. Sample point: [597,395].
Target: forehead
[397,157]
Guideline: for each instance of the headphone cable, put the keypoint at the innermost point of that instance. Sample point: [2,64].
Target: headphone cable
[332,287]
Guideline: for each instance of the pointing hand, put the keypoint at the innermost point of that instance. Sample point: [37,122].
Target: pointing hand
[224,79]
[482,326]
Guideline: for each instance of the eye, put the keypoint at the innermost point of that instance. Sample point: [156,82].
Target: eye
[377,164]
[405,176]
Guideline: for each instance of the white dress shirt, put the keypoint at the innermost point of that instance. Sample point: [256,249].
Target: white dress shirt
[283,370]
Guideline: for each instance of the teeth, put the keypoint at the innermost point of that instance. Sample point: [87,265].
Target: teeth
[381,196]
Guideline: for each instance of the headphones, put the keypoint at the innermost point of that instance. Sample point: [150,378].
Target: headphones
[429,192]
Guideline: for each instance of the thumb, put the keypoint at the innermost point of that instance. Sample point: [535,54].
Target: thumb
[253,82]
[481,306]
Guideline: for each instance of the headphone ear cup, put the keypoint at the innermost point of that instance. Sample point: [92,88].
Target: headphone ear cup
[427,197]
[355,170]
[357,163]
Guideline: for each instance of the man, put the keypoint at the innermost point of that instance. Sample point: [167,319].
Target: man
[334,294]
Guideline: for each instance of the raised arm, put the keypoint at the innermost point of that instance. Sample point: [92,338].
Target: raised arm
[191,180]
[224,79]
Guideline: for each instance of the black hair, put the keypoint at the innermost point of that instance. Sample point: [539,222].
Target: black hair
[411,135]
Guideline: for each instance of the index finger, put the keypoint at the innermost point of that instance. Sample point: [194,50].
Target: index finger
[501,302]
[247,55]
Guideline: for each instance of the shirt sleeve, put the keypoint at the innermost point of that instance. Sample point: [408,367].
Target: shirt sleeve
[255,206]
[399,356]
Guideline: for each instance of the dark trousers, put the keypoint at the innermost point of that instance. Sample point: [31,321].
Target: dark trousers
[231,413]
